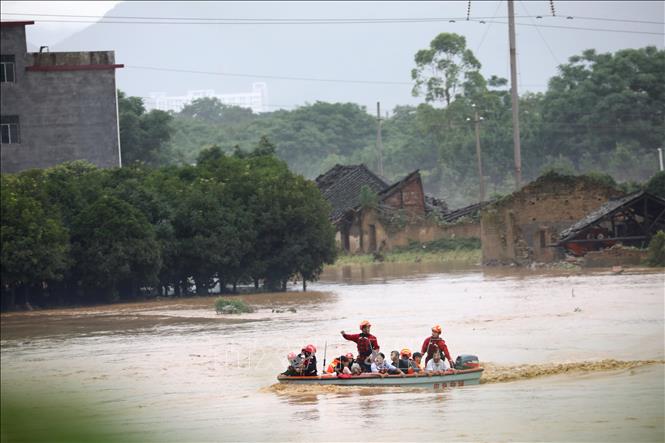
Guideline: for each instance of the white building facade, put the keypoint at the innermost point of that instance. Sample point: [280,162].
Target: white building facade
[256,100]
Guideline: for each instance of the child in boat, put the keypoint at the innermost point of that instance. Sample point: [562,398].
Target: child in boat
[436,366]
[302,364]
[381,366]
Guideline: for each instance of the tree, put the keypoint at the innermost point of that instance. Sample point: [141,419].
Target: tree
[444,68]
[212,110]
[609,108]
[34,242]
[656,184]
[115,248]
[143,135]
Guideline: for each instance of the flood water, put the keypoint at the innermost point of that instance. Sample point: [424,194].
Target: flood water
[569,357]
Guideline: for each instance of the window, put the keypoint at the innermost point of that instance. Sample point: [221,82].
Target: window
[9,126]
[7,69]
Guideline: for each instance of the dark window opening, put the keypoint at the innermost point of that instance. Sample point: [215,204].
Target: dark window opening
[372,238]
[10,129]
[7,69]
[542,239]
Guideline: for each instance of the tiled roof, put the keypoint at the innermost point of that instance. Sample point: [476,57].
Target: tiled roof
[456,214]
[603,211]
[341,186]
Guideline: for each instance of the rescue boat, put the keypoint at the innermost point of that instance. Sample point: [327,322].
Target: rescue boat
[467,372]
[450,378]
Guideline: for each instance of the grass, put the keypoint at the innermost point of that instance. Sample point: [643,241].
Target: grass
[461,251]
[225,305]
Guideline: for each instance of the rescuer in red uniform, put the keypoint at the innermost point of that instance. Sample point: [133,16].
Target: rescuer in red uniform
[367,345]
[436,343]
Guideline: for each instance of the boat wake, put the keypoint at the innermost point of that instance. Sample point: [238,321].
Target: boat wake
[498,373]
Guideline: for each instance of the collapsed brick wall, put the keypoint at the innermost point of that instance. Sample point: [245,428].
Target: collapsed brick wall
[522,227]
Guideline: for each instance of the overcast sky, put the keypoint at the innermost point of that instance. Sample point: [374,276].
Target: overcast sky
[375,52]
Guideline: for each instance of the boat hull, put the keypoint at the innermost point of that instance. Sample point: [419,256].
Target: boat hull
[451,378]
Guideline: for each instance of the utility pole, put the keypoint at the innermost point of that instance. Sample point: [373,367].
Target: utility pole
[515,99]
[379,143]
[476,122]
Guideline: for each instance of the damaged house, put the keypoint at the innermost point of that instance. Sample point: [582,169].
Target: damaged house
[371,215]
[629,221]
[526,225]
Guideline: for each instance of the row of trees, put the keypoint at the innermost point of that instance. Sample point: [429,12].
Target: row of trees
[602,113]
[78,234]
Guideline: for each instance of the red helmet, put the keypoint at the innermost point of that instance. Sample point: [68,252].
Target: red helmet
[310,348]
[349,355]
[364,323]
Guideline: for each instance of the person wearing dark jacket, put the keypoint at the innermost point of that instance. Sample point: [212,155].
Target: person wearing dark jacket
[306,363]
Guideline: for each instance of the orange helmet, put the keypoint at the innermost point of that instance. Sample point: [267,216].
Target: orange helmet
[436,328]
[310,348]
[406,351]
[364,323]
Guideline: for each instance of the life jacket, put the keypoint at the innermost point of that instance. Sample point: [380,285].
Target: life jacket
[333,364]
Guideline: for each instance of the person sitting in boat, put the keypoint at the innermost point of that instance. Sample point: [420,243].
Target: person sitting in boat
[406,364]
[295,364]
[340,365]
[309,364]
[344,366]
[394,358]
[382,367]
[435,343]
[368,346]
[436,366]
[302,364]
[334,364]
[417,361]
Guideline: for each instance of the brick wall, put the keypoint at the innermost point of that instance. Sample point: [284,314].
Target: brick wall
[520,227]
[63,115]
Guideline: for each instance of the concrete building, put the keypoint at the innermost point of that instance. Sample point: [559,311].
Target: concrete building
[403,213]
[257,100]
[56,106]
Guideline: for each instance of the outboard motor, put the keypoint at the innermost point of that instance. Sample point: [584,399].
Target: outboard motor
[466,361]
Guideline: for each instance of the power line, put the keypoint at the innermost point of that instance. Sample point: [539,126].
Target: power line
[573,28]
[317,20]
[275,77]
[556,59]
[487,29]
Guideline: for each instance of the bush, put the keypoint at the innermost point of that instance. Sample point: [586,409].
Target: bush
[656,254]
[227,306]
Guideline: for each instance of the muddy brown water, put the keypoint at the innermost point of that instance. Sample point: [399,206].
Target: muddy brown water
[569,357]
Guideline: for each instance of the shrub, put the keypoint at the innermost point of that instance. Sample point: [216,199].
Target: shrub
[227,306]
[656,254]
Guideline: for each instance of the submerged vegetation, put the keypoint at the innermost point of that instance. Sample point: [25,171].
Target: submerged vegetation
[229,306]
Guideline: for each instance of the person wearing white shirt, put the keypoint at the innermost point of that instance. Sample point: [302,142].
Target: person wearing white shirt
[436,366]
[382,367]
